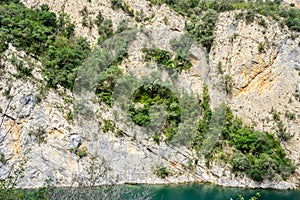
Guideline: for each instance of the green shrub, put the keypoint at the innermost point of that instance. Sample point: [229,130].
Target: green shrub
[2,158]
[203,124]
[275,115]
[109,71]
[257,154]
[227,84]
[290,115]
[62,59]
[291,18]
[262,22]
[163,57]
[202,28]
[123,26]
[107,82]
[108,126]
[261,47]
[21,68]
[239,162]
[7,94]
[156,139]
[281,129]
[3,42]
[116,4]
[127,10]
[39,135]
[47,37]
[119,133]
[140,116]
[219,68]
[263,152]
[8,186]
[86,20]
[282,133]
[105,30]
[81,152]
[70,115]
[151,95]
[162,172]
[254,197]
[203,15]
[120,4]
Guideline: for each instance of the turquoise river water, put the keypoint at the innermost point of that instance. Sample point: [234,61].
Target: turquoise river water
[212,192]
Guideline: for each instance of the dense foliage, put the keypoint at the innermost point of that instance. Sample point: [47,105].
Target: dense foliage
[257,154]
[105,27]
[46,37]
[107,83]
[164,57]
[51,39]
[150,95]
[110,73]
[203,14]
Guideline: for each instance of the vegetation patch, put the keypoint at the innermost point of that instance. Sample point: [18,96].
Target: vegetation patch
[109,72]
[162,172]
[22,69]
[108,126]
[39,135]
[257,154]
[81,152]
[47,37]
[150,95]
[120,4]
[165,58]
[203,14]
[281,129]
[105,27]
[2,158]
[107,82]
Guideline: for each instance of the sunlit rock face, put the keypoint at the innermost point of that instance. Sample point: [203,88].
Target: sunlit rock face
[262,63]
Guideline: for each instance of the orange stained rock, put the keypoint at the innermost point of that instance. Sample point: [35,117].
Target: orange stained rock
[14,133]
[194,62]
[259,79]
[57,133]
[70,162]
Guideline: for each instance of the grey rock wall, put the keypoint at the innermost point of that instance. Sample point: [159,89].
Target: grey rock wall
[35,125]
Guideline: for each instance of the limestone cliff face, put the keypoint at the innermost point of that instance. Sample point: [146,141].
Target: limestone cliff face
[265,80]
[262,63]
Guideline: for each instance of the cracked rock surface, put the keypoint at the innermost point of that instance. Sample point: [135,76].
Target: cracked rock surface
[35,125]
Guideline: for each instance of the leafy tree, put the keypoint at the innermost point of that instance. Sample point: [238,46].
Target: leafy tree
[163,58]
[115,4]
[51,40]
[107,83]
[3,42]
[123,26]
[154,94]
[62,59]
[65,27]
[202,28]
[257,154]
[203,14]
